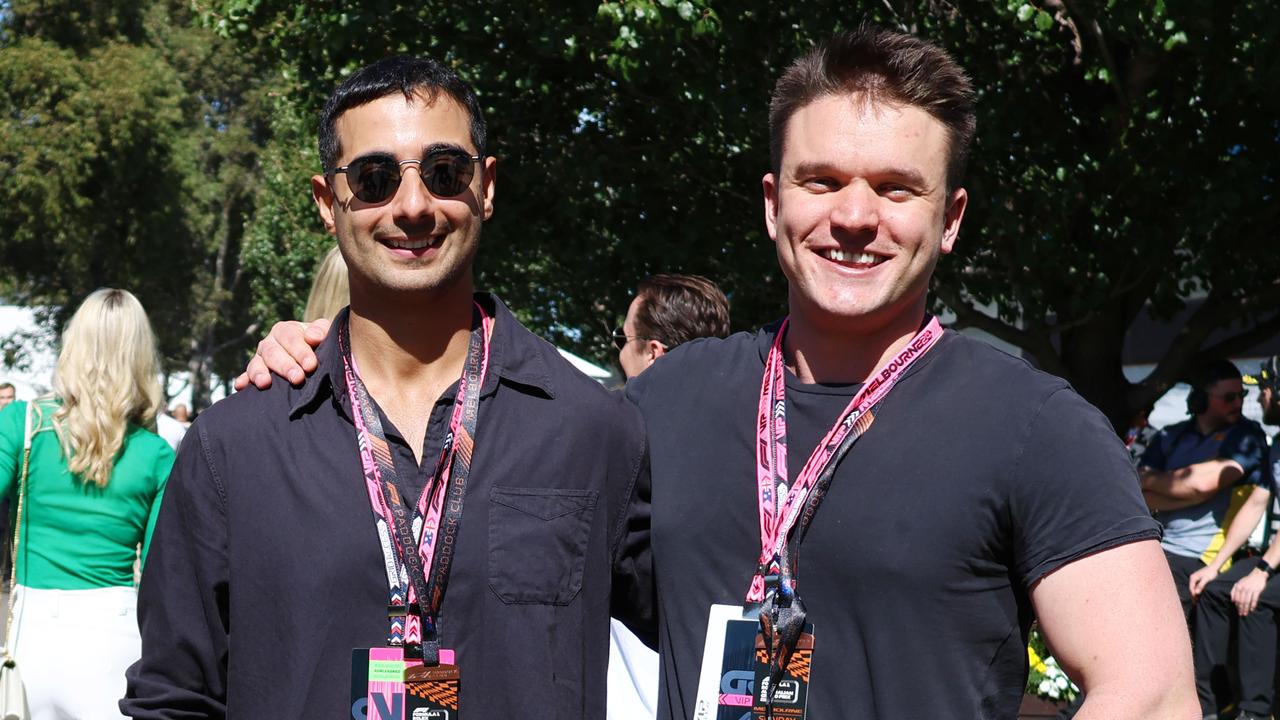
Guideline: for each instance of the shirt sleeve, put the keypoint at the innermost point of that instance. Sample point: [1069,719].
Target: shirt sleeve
[12,418]
[1153,456]
[160,470]
[1246,445]
[182,600]
[1075,492]
[633,597]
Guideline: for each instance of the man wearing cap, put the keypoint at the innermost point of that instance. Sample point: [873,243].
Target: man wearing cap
[1246,595]
[1198,475]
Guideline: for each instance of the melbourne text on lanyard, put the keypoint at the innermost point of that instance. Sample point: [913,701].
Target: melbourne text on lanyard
[418,543]
[773,588]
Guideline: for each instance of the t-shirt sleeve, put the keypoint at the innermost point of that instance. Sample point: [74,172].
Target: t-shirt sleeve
[1074,490]
[1248,447]
[1153,456]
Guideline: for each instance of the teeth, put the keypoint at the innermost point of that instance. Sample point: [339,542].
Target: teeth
[862,258]
[412,244]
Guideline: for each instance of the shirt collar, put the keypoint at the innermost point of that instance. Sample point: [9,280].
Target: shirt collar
[515,355]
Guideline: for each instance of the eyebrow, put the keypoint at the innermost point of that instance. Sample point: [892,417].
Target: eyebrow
[905,175]
[438,146]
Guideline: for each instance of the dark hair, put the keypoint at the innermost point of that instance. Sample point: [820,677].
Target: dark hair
[406,75]
[885,65]
[1204,376]
[675,309]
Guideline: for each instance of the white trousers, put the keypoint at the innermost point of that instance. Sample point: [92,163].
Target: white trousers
[73,647]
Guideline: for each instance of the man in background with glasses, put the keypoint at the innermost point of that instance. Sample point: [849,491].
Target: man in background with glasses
[430,524]
[1243,601]
[668,310]
[1207,481]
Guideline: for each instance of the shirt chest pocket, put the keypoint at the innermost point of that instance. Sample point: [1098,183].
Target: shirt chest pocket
[538,540]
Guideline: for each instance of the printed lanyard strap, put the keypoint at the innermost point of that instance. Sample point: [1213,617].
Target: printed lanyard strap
[782,613]
[415,596]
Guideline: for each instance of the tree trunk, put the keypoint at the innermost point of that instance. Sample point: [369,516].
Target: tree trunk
[1093,356]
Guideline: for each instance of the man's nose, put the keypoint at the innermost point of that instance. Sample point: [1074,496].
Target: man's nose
[856,207]
[412,199]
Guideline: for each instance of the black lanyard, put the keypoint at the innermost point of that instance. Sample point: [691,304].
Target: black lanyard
[413,610]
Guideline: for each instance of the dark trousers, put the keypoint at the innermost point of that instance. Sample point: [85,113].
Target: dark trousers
[1182,567]
[1254,651]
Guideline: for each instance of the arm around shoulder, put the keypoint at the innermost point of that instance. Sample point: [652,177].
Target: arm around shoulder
[182,600]
[1113,621]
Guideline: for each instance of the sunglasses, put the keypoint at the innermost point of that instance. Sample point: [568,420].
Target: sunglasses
[620,338]
[446,172]
[1233,396]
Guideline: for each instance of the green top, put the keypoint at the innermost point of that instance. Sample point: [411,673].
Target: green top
[75,535]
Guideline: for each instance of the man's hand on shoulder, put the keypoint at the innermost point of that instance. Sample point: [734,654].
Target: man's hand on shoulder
[286,351]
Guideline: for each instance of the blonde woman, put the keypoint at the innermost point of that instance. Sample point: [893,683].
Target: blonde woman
[94,483]
[330,291]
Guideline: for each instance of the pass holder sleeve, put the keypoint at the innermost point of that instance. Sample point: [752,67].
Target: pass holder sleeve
[728,664]
[387,686]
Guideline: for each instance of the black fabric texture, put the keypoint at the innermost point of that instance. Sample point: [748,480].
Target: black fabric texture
[979,476]
[266,571]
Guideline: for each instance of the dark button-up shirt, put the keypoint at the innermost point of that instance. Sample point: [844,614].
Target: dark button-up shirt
[266,571]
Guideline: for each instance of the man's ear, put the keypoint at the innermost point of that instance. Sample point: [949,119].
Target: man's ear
[488,184]
[956,203]
[654,349]
[770,186]
[322,194]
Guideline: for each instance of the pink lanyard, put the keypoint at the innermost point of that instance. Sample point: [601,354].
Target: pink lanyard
[410,577]
[771,447]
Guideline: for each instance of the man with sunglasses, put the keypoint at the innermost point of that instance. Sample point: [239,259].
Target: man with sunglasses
[1206,480]
[1243,603]
[431,524]
[799,574]
[667,311]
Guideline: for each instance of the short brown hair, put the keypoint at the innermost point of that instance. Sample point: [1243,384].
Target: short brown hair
[886,65]
[675,309]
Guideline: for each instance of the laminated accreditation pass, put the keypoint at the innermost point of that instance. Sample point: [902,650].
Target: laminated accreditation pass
[732,670]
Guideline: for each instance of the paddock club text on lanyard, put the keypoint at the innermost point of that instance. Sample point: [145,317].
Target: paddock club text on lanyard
[412,672]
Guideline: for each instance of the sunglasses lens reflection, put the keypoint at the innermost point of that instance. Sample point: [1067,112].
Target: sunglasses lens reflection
[374,179]
[447,174]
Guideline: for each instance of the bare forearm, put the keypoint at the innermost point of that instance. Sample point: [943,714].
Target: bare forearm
[1193,483]
[1174,703]
[1242,524]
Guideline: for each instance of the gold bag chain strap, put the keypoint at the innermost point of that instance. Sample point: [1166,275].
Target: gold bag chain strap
[17,534]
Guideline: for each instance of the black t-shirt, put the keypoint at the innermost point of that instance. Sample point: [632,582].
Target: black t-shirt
[979,476]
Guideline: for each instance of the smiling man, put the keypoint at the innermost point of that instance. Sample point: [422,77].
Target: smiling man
[855,513]
[886,505]
[428,525]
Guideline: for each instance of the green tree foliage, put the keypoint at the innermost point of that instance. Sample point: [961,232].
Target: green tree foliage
[129,137]
[1126,156]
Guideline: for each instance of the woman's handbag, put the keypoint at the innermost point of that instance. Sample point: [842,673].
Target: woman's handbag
[13,696]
